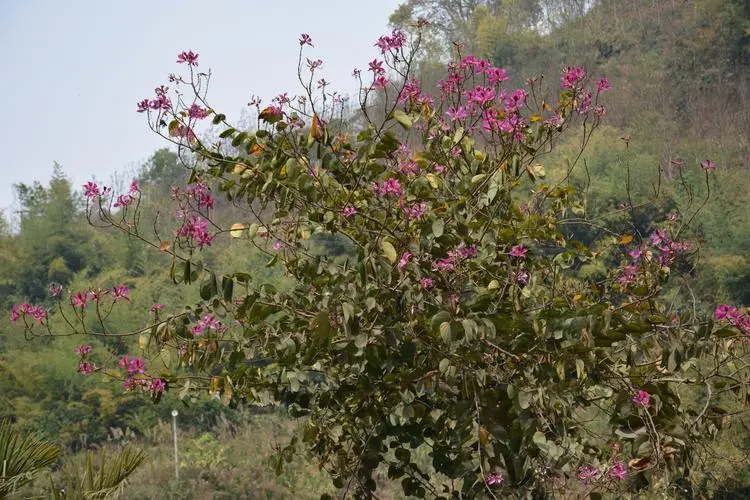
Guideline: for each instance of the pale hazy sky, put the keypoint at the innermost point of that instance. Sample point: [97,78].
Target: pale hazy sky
[73,71]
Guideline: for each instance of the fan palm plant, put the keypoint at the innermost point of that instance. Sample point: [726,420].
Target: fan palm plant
[103,481]
[22,458]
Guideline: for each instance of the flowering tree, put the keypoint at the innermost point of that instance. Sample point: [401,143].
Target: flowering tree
[456,348]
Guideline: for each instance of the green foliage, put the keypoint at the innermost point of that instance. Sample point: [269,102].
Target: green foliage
[453,339]
[22,457]
[102,480]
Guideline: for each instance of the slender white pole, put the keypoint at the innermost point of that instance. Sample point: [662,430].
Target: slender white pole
[174,434]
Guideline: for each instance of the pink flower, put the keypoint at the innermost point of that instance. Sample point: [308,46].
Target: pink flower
[376,67]
[54,289]
[15,313]
[202,194]
[197,112]
[519,251]
[349,211]
[156,307]
[724,311]
[602,85]
[304,39]
[642,398]
[521,277]
[123,200]
[124,361]
[388,187]
[439,169]
[130,383]
[312,65]
[447,264]
[188,57]
[404,260]
[618,470]
[494,478]
[415,211]
[83,349]
[91,190]
[708,165]
[277,245]
[143,106]
[496,75]
[136,365]
[208,322]
[380,82]
[587,472]
[157,386]
[571,77]
[427,283]
[86,368]
[134,187]
[456,113]
[120,292]
[79,300]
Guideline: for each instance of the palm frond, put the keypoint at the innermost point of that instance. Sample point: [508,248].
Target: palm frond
[22,457]
[102,481]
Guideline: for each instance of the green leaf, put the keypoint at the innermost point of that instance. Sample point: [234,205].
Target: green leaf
[446,332]
[227,288]
[348,311]
[228,132]
[237,141]
[219,118]
[402,118]
[389,251]
[524,399]
[437,228]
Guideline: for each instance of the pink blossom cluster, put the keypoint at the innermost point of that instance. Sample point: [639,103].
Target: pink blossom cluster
[196,230]
[389,187]
[617,470]
[137,376]
[455,256]
[160,103]
[197,112]
[82,298]
[208,322]
[494,479]
[641,398]
[92,191]
[394,42]
[201,193]
[737,319]
[414,211]
[188,57]
[412,93]
[658,242]
[85,366]
[38,313]
[124,200]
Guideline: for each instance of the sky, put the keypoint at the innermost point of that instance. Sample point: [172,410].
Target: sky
[72,72]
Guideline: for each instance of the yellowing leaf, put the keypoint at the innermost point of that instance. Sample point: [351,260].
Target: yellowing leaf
[239,168]
[402,118]
[535,118]
[236,230]
[626,239]
[433,180]
[389,251]
[164,246]
[537,170]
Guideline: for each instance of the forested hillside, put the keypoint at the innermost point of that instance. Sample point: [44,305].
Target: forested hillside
[680,72]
